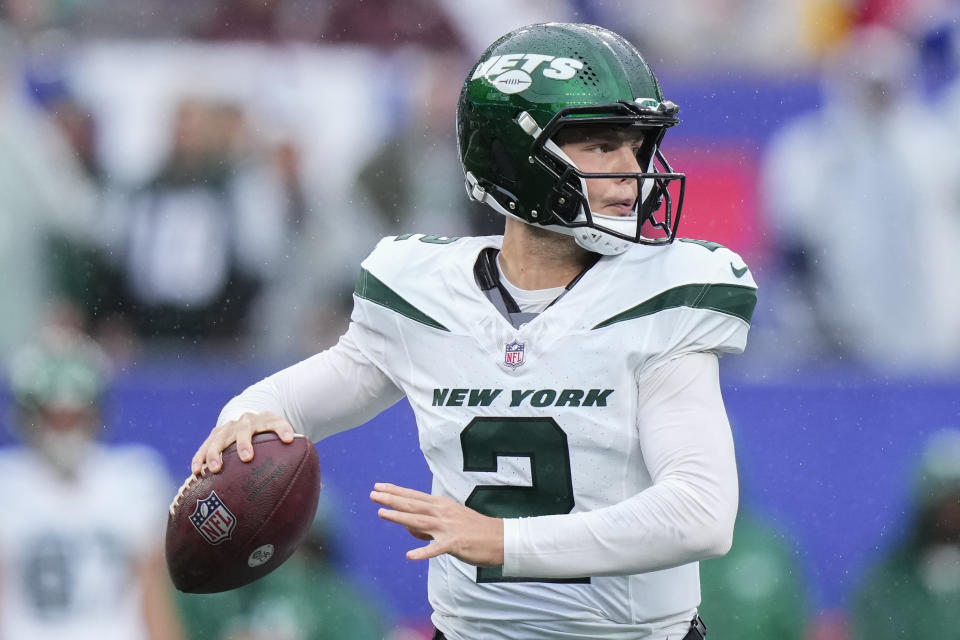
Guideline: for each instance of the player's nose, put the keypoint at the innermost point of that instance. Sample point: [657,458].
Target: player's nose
[625,160]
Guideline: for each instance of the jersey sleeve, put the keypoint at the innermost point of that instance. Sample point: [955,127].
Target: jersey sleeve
[686,515]
[330,392]
[717,312]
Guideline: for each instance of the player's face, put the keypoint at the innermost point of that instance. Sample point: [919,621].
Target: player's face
[608,151]
[61,435]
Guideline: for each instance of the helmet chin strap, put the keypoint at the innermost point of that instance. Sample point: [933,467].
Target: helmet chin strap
[597,241]
[593,239]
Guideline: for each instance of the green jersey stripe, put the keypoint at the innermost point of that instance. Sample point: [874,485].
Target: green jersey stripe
[732,299]
[369,287]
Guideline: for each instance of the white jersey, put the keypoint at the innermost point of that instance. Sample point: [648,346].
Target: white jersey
[67,550]
[546,425]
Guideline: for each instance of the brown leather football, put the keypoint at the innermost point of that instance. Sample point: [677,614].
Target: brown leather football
[228,529]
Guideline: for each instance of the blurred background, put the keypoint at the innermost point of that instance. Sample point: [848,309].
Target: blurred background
[193,184]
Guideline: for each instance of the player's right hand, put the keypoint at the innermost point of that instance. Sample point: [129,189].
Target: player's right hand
[240,431]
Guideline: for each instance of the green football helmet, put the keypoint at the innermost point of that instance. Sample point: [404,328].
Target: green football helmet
[57,383]
[538,81]
[59,370]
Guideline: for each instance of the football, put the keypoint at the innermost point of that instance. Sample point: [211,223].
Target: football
[227,529]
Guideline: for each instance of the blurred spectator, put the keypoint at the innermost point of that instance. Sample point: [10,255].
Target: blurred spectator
[195,246]
[243,20]
[755,592]
[788,34]
[80,546]
[81,275]
[863,198]
[287,175]
[385,24]
[944,39]
[82,283]
[413,182]
[46,194]
[31,16]
[939,43]
[306,598]
[105,18]
[479,23]
[913,591]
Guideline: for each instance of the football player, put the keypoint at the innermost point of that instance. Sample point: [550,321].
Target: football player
[80,552]
[564,375]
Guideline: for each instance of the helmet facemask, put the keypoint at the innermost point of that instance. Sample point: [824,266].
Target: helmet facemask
[659,190]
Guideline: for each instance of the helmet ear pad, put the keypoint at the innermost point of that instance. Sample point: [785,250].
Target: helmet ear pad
[566,199]
[503,165]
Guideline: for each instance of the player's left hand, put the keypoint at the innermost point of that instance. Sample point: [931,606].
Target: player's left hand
[453,528]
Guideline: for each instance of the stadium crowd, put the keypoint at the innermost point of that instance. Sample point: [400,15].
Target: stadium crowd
[198,181]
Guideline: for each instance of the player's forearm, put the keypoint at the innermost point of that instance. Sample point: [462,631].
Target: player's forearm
[686,515]
[662,527]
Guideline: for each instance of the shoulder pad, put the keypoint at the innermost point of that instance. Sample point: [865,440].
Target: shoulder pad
[416,275]
[714,261]
[708,285]
[407,251]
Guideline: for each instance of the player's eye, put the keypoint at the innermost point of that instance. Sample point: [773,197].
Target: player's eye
[602,147]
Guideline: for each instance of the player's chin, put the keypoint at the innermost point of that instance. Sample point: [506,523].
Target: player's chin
[616,212]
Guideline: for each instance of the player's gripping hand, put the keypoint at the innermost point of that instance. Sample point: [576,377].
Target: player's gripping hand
[455,529]
[240,431]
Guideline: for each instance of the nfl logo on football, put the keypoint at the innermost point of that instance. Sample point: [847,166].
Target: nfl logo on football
[213,520]
[513,355]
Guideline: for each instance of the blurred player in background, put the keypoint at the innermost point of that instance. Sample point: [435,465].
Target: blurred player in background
[80,545]
[842,295]
[913,591]
[756,591]
[564,375]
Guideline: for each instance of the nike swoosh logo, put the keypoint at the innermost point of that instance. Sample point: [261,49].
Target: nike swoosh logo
[738,272]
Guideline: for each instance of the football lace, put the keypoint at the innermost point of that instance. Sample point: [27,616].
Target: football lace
[186,485]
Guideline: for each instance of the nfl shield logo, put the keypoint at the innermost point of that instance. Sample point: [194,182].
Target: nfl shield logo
[213,520]
[513,356]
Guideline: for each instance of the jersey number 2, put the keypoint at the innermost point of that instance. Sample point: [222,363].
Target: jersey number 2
[544,443]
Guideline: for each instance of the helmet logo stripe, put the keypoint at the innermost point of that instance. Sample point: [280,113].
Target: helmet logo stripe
[503,73]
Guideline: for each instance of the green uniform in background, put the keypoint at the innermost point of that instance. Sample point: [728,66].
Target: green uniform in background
[298,601]
[755,592]
[908,596]
[914,590]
